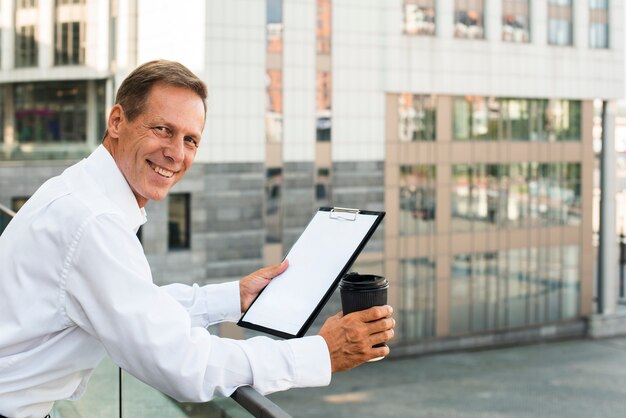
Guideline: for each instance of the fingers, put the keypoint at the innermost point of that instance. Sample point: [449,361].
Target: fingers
[374,313]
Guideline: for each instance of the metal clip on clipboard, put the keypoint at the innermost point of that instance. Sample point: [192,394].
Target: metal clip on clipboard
[345,214]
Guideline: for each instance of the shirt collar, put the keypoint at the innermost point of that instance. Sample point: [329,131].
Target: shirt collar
[102,167]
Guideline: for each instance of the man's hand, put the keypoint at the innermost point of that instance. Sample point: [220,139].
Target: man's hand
[252,284]
[350,338]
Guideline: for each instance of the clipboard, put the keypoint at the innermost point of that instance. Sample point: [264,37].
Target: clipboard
[320,257]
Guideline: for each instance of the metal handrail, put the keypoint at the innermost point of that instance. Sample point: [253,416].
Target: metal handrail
[7,210]
[257,404]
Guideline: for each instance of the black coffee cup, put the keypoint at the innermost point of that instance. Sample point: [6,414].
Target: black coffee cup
[362,291]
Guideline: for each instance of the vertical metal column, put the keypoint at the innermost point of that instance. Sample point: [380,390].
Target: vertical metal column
[607,251]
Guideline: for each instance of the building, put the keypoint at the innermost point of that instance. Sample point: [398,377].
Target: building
[468,121]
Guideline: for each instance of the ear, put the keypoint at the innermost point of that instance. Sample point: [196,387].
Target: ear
[116,117]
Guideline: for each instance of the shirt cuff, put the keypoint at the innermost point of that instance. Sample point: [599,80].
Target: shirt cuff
[311,361]
[224,301]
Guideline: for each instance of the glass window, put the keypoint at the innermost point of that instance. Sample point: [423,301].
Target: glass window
[560,20]
[274,26]
[322,187]
[324,26]
[598,24]
[570,307]
[461,197]
[69,40]
[178,223]
[517,287]
[417,199]
[475,117]
[460,294]
[417,117]
[324,106]
[26,46]
[572,198]
[273,192]
[515,21]
[518,196]
[468,19]
[563,120]
[419,17]
[515,119]
[51,112]
[417,304]
[274,106]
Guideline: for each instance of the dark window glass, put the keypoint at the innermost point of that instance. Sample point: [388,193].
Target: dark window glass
[51,112]
[178,222]
[273,192]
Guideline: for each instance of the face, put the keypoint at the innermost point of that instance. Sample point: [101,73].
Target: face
[155,150]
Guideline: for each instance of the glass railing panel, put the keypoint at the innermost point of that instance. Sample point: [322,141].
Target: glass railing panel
[142,401]
[101,400]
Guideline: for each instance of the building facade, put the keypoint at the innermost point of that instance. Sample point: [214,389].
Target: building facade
[470,122]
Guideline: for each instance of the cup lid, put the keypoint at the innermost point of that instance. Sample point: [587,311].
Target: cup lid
[356,281]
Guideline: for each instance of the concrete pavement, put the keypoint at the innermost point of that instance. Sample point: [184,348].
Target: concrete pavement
[578,378]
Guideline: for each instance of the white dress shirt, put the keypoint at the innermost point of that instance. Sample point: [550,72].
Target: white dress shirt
[75,285]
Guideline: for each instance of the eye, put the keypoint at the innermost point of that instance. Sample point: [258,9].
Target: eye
[162,131]
[191,141]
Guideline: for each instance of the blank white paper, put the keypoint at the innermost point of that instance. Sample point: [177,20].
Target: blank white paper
[315,261]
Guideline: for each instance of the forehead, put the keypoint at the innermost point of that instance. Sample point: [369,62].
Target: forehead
[176,105]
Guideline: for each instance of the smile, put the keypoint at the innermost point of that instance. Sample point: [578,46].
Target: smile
[160,170]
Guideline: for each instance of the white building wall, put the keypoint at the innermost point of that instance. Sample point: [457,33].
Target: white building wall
[299,75]
[371,56]
[234,70]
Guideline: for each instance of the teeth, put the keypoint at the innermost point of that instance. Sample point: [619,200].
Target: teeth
[162,171]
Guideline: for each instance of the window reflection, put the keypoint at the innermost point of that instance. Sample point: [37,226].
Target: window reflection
[51,112]
[486,196]
[274,25]
[515,21]
[513,288]
[273,193]
[417,117]
[324,28]
[468,19]
[419,17]
[560,22]
[324,106]
[417,305]
[417,199]
[274,106]
[482,118]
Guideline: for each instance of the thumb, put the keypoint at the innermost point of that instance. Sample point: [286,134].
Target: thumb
[274,270]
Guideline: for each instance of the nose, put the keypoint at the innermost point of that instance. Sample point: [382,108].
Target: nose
[174,150]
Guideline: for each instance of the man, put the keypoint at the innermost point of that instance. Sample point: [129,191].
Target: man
[76,285]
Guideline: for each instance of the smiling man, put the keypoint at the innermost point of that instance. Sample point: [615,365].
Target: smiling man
[76,285]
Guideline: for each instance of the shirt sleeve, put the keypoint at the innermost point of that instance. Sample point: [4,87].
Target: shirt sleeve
[210,304]
[110,295]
